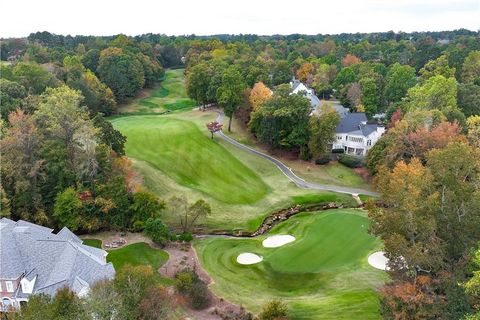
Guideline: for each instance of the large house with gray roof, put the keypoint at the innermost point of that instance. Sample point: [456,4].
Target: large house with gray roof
[35,260]
[354,135]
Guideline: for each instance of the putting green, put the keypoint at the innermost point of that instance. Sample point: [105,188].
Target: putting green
[180,150]
[324,274]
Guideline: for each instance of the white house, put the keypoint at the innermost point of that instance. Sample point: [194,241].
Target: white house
[355,136]
[299,88]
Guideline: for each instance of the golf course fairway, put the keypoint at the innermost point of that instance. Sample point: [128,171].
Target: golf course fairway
[324,274]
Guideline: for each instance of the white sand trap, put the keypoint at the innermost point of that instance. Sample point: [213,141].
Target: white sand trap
[248,258]
[378,260]
[277,241]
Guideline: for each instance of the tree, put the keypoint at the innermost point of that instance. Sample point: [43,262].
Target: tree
[121,71]
[157,231]
[61,118]
[282,122]
[458,215]
[132,284]
[109,135]
[67,305]
[230,93]
[189,214]
[274,310]
[436,92]
[471,68]
[97,96]
[406,224]
[145,205]
[68,209]
[350,60]
[198,82]
[90,59]
[21,165]
[305,72]
[437,67]
[354,94]
[214,126]
[33,77]
[156,305]
[282,72]
[259,94]
[322,131]
[399,79]
[473,124]
[11,94]
[103,301]
[468,96]
[370,95]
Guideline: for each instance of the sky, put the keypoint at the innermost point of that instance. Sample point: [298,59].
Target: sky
[133,17]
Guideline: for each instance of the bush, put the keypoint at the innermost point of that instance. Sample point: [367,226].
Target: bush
[185,237]
[339,150]
[273,310]
[190,285]
[323,159]
[350,161]
[138,226]
[157,231]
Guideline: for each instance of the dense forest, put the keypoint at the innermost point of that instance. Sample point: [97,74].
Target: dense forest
[63,163]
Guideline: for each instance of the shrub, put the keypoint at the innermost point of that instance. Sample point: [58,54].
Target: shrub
[157,231]
[138,226]
[190,285]
[350,161]
[185,237]
[273,310]
[324,159]
[339,150]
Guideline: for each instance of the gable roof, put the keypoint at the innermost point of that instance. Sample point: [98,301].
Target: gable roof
[56,260]
[355,123]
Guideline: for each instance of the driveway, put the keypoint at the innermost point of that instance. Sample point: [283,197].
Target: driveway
[287,171]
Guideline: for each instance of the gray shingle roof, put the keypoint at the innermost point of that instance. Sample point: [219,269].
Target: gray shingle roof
[355,124]
[57,260]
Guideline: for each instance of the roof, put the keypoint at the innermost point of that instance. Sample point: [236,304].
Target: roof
[56,260]
[355,123]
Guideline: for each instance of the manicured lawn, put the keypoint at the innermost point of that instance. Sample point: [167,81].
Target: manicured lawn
[324,274]
[137,254]
[176,156]
[169,95]
[93,243]
[181,151]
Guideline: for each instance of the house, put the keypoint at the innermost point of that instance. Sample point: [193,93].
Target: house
[354,135]
[35,260]
[299,88]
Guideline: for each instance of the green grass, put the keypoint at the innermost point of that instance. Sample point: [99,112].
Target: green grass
[93,243]
[169,152]
[168,95]
[324,274]
[137,254]
[182,152]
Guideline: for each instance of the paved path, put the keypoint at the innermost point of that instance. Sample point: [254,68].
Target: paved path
[286,170]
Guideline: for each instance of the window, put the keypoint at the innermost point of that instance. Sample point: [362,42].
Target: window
[369,142]
[354,139]
[339,137]
[9,286]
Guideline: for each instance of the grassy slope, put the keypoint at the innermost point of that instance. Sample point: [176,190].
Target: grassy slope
[322,275]
[226,214]
[170,95]
[332,173]
[137,254]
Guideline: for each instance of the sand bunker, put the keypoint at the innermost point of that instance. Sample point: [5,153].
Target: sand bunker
[277,241]
[378,260]
[248,258]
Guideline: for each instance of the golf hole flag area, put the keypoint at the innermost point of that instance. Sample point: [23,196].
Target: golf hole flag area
[316,262]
